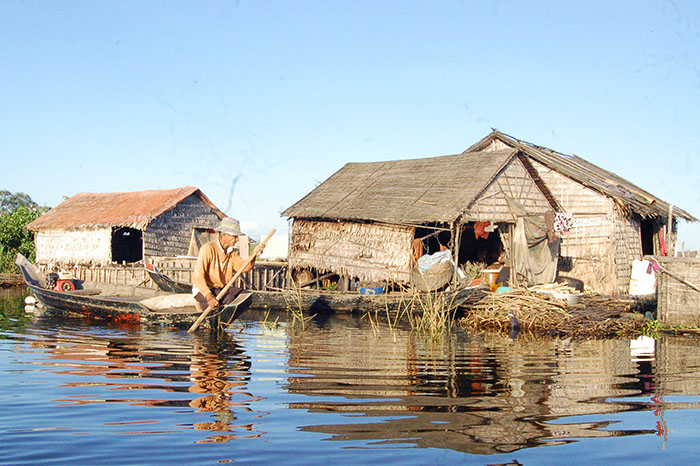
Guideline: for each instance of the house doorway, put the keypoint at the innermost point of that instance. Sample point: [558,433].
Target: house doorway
[127,245]
[647,229]
[485,249]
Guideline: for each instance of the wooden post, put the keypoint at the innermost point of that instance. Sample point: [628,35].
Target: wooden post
[456,240]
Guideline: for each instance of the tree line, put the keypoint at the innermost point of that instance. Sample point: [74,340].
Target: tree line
[17,210]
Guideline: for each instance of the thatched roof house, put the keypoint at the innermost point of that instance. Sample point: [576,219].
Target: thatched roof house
[554,214]
[101,228]
[615,221]
[362,221]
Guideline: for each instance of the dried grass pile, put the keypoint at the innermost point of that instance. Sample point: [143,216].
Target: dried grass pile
[543,314]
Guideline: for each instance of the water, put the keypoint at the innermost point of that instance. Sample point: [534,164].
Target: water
[340,391]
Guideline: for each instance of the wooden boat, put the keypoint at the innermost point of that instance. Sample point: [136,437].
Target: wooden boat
[145,305]
[164,282]
[309,301]
[129,304]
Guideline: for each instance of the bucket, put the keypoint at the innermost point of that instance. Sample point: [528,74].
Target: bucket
[490,277]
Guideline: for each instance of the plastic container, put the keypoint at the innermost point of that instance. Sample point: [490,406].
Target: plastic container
[378,290]
[490,278]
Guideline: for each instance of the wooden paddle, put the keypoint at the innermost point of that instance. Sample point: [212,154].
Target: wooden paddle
[222,293]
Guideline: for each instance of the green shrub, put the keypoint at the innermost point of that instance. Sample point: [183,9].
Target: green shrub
[15,237]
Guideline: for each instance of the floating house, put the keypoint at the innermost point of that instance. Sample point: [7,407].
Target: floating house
[614,222]
[546,214]
[96,229]
[372,221]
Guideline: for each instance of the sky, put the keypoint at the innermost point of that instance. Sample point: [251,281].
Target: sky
[258,102]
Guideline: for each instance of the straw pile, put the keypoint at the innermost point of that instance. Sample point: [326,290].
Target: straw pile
[539,313]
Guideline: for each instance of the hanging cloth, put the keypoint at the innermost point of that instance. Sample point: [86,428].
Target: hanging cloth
[480,229]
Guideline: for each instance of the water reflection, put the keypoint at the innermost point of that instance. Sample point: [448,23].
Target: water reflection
[155,370]
[222,380]
[266,388]
[480,395]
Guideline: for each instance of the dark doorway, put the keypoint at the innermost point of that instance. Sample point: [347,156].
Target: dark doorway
[647,228]
[486,249]
[127,245]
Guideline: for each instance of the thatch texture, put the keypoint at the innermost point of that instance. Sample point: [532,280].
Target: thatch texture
[411,192]
[366,251]
[132,209]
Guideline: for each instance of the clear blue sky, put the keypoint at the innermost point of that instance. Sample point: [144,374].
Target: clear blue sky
[257,102]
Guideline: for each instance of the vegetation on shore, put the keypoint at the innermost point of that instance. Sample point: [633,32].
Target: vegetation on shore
[17,210]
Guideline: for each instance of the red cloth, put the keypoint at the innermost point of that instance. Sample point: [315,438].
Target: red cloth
[662,241]
[479,228]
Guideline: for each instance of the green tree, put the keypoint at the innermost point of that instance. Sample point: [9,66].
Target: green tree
[16,212]
[9,202]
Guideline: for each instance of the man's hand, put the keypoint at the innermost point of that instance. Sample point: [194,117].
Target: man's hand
[258,249]
[212,301]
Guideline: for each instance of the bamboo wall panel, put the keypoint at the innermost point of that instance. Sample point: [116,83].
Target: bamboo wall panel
[364,251]
[84,246]
[628,249]
[573,196]
[515,183]
[677,303]
[169,235]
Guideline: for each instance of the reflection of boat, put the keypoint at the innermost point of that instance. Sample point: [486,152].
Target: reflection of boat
[115,302]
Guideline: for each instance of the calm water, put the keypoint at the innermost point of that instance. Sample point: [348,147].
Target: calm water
[341,391]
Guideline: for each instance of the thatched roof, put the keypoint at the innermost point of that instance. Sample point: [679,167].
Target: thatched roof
[134,209]
[416,191]
[622,191]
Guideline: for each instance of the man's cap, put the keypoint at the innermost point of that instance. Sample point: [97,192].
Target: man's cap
[230,226]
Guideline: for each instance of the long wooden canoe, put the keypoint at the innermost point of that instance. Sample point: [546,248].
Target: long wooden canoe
[310,301]
[116,302]
[139,304]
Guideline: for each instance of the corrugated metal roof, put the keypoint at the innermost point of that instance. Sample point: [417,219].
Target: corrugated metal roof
[132,209]
[435,189]
[626,193]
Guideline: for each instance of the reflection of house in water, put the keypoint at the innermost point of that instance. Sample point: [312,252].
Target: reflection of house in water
[481,396]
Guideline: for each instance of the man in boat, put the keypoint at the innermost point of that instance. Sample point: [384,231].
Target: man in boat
[216,263]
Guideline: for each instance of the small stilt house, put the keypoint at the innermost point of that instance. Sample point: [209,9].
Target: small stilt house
[103,228]
[614,222]
[370,221]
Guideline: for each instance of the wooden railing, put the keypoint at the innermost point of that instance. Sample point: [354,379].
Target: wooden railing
[264,276]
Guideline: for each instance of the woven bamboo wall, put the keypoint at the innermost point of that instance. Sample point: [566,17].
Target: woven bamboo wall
[169,235]
[515,183]
[677,303]
[628,249]
[364,251]
[589,250]
[84,246]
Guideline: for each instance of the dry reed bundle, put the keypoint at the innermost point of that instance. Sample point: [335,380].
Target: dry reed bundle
[543,314]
